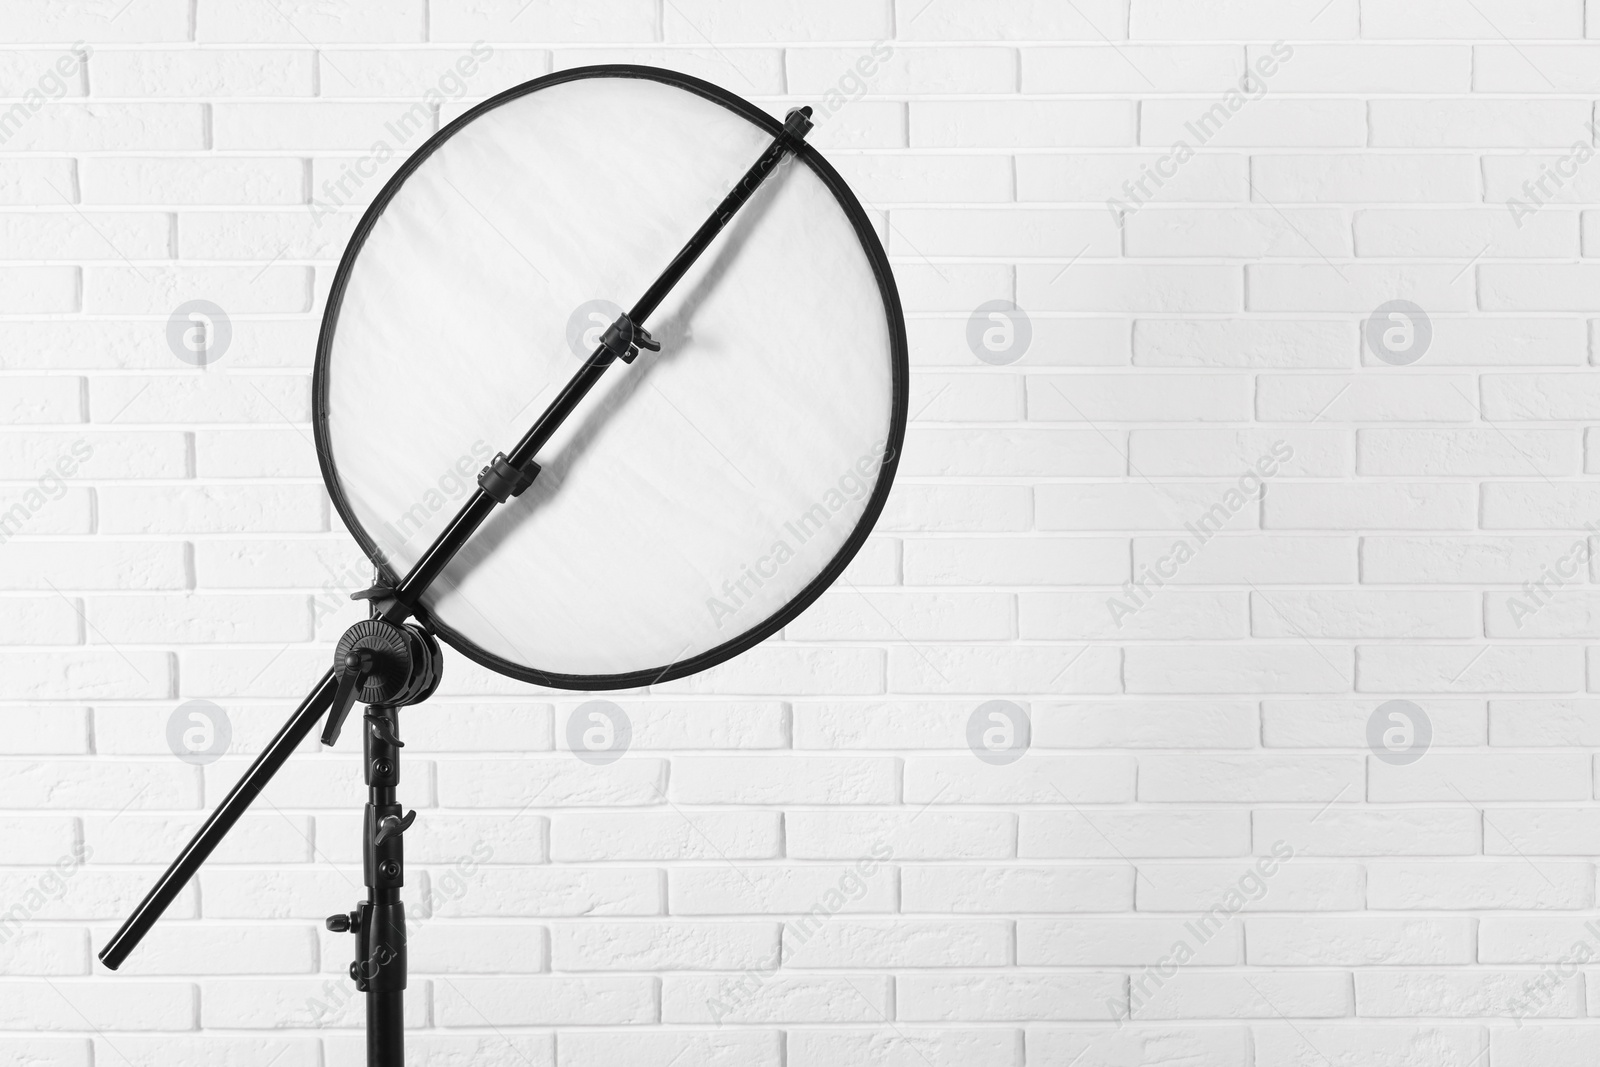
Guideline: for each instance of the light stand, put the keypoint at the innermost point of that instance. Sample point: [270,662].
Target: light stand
[388,662]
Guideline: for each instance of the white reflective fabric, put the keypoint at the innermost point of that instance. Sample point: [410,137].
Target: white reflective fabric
[695,492]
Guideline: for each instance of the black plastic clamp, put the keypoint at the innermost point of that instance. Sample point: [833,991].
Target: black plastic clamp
[623,339]
[796,124]
[503,481]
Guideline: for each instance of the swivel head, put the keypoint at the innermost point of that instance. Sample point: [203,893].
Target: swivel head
[378,662]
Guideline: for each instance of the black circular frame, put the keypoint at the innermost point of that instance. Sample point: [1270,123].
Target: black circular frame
[897,423]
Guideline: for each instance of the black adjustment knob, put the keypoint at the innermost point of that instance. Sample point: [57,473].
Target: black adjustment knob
[393,826]
[345,922]
[353,669]
[383,730]
[623,339]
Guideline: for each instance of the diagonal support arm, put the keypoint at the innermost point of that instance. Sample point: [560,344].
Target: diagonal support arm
[210,835]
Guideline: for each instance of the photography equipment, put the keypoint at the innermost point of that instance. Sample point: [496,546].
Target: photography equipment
[647,525]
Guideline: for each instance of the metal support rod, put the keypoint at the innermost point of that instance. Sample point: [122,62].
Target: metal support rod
[300,724]
[438,555]
[795,128]
[386,1029]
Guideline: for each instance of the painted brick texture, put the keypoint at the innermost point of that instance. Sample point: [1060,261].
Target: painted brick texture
[1217,690]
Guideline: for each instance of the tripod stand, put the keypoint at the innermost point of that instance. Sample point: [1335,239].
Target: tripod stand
[392,660]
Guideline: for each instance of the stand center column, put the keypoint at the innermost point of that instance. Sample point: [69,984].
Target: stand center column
[379,924]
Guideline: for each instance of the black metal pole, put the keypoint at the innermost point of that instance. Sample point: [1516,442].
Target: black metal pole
[435,559]
[300,724]
[795,127]
[386,1029]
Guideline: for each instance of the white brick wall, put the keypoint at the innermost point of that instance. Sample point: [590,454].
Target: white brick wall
[1207,827]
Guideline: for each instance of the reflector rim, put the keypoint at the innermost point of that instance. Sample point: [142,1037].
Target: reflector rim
[899,363]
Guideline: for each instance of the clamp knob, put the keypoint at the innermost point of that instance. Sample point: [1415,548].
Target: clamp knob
[345,922]
[393,826]
[354,667]
[623,339]
[383,730]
